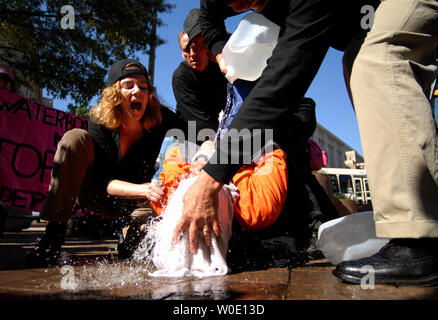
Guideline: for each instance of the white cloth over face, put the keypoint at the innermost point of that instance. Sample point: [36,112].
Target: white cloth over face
[175,259]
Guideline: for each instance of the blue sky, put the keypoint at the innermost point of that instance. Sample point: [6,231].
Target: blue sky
[333,107]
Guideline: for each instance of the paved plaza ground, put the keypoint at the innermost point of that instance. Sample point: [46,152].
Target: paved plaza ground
[92,272]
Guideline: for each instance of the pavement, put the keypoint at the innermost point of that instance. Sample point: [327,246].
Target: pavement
[91,271]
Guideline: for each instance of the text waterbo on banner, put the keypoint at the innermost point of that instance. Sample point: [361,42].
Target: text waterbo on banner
[29,134]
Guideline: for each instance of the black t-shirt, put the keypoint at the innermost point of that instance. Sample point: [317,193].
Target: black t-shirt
[200,95]
[137,166]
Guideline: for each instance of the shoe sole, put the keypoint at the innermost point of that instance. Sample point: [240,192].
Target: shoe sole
[414,281]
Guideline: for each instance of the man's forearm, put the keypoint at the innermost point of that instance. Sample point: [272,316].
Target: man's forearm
[211,20]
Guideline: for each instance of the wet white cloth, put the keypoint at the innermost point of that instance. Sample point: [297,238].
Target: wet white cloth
[174,259]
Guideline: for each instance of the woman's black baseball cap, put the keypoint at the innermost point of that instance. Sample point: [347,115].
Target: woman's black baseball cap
[118,71]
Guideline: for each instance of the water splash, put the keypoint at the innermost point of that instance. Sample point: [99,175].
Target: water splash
[143,253]
[104,276]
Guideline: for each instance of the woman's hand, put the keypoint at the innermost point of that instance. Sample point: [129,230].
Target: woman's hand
[153,191]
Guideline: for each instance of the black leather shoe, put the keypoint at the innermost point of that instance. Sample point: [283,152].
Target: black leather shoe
[47,252]
[400,262]
[44,255]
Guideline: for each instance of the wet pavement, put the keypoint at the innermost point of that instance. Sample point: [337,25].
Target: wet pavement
[92,272]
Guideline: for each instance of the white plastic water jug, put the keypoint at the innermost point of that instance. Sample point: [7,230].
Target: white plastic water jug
[249,47]
[350,237]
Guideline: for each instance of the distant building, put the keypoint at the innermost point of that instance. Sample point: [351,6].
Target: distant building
[340,154]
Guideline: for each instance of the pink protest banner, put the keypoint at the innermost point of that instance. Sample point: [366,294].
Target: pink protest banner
[29,134]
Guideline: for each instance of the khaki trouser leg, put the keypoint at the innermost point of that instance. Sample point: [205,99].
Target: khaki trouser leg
[73,157]
[390,86]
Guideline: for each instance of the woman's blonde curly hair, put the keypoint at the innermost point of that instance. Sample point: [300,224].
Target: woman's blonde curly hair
[108,111]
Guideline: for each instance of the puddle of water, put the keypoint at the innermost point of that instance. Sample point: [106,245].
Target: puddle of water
[104,277]
[80,273]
